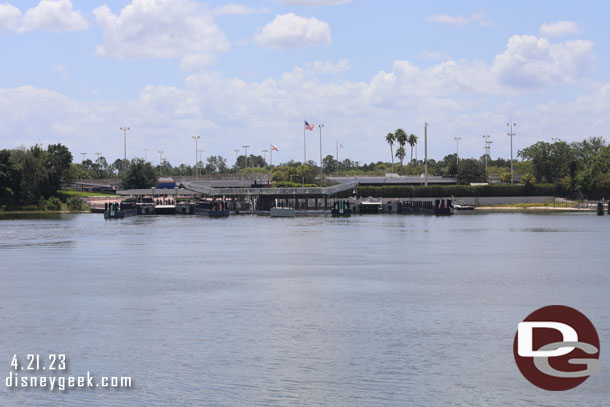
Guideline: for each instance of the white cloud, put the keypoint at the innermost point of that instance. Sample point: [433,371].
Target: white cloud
[559,29]
[316,2]
[9,17]
[292,31]
[531,62]
[434,55]
[161,29]
[457,20]
[53,15]
[231,9]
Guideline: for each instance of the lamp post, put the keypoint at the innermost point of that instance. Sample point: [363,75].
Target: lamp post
[196,138]
[200,162]
[321,170]
[145,154]
[486,150]
[511,134]
[83,159]
[246,154]
[425,153]
[124,129]
[98,155]
[160,158]
[457,150]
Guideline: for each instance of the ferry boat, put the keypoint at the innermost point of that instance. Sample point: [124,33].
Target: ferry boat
[213,209]
[341,209]
[123,209]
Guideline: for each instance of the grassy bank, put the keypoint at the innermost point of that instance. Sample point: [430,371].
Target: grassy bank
[72,192]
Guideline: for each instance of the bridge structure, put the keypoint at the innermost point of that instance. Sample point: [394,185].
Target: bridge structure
[263,199]
[248,199]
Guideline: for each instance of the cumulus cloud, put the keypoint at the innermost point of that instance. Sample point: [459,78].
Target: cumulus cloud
[316,2]
[231,9]
[531,62]
[53,15]
[10,16]
[559,29]
[457,20]
[161,29]
[292,31]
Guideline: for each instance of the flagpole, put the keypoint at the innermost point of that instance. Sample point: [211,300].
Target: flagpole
[304,144]
[270,155]
[337,157]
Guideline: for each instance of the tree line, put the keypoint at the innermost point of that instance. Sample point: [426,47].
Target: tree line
[33,177]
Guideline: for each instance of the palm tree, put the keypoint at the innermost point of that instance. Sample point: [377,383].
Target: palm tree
[401,138]
[391,138]
[401,153]
[412,141]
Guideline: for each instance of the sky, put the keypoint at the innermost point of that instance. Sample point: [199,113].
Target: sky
[250,73]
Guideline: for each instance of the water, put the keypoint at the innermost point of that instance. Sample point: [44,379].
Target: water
[366,311]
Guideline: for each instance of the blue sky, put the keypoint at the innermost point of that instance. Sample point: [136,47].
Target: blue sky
[250,72]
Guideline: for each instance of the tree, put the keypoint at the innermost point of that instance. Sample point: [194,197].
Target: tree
[550,161]
[139,175]
[58,163]
[34,176]
[585,150]
[216,163]
[412,141]
[528,179]
[400,154]
[470,170]
[401,138]
[329,164]
[10,179]
[390,138]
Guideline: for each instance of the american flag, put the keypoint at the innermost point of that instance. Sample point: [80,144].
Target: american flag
[274,148]
[309,126]
[340,145]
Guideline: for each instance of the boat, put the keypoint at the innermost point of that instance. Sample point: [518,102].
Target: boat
[463,207]
[123,209]
[341,209]
[279,211]
[213,209]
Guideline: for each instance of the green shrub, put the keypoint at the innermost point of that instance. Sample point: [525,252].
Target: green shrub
[74,203]
[53,204]
[405,191]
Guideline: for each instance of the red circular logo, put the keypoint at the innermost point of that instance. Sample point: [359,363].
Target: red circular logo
[556,348]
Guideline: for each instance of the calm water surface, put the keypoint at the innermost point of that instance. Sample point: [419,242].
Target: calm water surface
[252,311]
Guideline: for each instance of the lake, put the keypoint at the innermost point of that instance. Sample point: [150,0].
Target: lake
[380,310]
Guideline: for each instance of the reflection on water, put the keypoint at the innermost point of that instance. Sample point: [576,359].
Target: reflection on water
[365,311]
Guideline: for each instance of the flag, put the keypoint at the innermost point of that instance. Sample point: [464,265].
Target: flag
[340,145]
[274,148]
[309,126]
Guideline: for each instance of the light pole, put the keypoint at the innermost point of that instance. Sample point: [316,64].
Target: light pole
[200,162]
[246,154]
[145,154]
[196,138]
[83,154]
[486,150]
[98,156]
[160,158]
[425,153]
[457,150]
[511,134]
[124,129]
[321,170]
[264,150]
